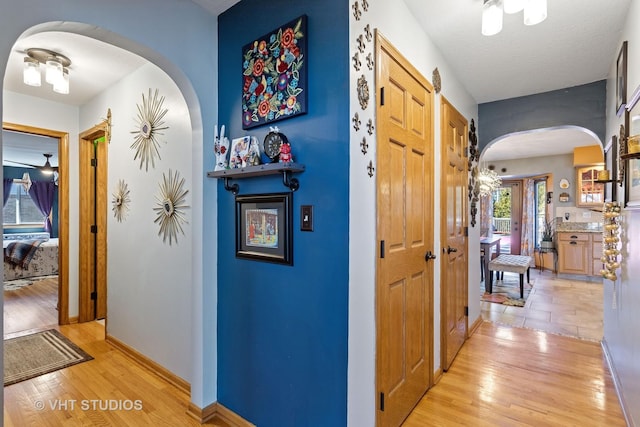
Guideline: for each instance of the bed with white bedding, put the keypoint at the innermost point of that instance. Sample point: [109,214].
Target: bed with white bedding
[42,260]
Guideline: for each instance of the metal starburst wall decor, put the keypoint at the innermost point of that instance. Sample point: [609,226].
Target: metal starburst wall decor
[120,201]
[170,207]
[149,125]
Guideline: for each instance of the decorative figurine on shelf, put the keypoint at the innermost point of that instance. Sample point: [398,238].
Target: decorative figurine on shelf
[253,159]
[221,149]
[285,153]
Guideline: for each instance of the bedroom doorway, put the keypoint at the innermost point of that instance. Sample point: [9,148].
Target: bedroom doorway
[63,211]
[93,222]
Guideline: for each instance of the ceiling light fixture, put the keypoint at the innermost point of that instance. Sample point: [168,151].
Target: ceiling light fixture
[535,11]
[488,181]
[56,66]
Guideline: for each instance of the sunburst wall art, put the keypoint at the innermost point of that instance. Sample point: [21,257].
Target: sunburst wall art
[149,125]
[170,207]
[120,201]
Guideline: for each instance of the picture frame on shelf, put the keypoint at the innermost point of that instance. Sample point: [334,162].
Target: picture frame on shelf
[264,229]
[239,152]
[621,80]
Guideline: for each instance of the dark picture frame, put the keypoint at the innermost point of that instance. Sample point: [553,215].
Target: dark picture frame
[632,165]
[274,75]
[621,80]
[264,229]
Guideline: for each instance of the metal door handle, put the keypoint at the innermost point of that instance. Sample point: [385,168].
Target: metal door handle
[429,256]
[450,249]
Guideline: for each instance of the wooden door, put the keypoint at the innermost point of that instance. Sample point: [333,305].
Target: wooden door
[515,188]
[404,294]
[453,211]
[93,225]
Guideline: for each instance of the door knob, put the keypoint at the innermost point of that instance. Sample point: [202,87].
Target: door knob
[450,249]
[429,256]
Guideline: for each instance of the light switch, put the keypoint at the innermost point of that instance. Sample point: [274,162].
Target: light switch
[306,218]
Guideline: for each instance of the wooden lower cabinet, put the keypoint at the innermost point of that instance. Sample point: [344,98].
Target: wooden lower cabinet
[579,253]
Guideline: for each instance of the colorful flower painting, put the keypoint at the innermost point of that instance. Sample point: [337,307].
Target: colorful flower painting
[274,75]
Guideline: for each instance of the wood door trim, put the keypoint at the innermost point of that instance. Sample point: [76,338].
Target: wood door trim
[85,307]
[384,47]
[443,232]
[63,211]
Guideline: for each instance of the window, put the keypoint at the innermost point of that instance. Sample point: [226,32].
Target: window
[20,209]
[540,208]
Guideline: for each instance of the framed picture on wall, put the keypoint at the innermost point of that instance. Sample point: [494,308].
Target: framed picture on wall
[621,80]
[274,75]
[264,227]
[632,163]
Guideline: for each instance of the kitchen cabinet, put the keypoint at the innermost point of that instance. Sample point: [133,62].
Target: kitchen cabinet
[579,253]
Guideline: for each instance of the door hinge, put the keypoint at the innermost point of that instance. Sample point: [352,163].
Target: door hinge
[382,96]
[94,163]
[94,229]
[94,295]
[466,310]
[382,401]
[466,232]
[381,248]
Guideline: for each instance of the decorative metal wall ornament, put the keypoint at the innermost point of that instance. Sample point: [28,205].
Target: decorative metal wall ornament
[357,13]
[356,122]
[170,207]
[370,169]
[149,127]
[364,146]
[363,92]
[356,61]
[622,150]
[367,33]
[365,5]
[120,201]
[370,61]
[437,82]
[474,187]
[361,44]
[370,127]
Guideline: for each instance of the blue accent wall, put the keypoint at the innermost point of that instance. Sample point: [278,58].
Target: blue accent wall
[583,106]
[282,330]
[11,172]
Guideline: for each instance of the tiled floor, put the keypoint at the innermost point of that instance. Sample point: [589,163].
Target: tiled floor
[559,305]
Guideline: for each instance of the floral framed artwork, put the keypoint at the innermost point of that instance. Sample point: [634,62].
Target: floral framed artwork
[274,75]
[264,227]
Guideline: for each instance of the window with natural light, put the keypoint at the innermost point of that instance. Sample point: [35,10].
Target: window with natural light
[20,208]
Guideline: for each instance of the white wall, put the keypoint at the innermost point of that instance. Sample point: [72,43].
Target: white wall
[397,25]
[30,111]
[149,282]
[622,298]
[161,38]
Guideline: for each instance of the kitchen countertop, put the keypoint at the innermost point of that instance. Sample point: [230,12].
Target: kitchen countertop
[579,227]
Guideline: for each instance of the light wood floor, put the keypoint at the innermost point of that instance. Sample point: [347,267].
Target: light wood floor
[503,376]
[560,305]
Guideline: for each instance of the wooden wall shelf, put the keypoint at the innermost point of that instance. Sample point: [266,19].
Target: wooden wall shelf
[286,169]
[630,156]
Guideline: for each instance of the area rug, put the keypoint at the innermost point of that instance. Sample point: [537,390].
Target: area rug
[37,354]
[14,285]
[507,291]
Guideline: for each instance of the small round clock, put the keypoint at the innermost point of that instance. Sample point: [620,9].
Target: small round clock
[272,143]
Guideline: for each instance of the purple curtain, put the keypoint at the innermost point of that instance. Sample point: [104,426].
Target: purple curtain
[42,193]
[7,190]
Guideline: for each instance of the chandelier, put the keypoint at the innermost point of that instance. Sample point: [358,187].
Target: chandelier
[56,69]
[488,181]
[535,11]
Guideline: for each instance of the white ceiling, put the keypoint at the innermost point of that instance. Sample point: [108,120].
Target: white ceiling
[575,45]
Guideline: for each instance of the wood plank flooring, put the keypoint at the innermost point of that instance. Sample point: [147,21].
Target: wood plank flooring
[503,376]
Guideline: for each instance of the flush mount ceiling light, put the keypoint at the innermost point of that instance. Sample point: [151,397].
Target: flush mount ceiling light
[535,11]
[56,69]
